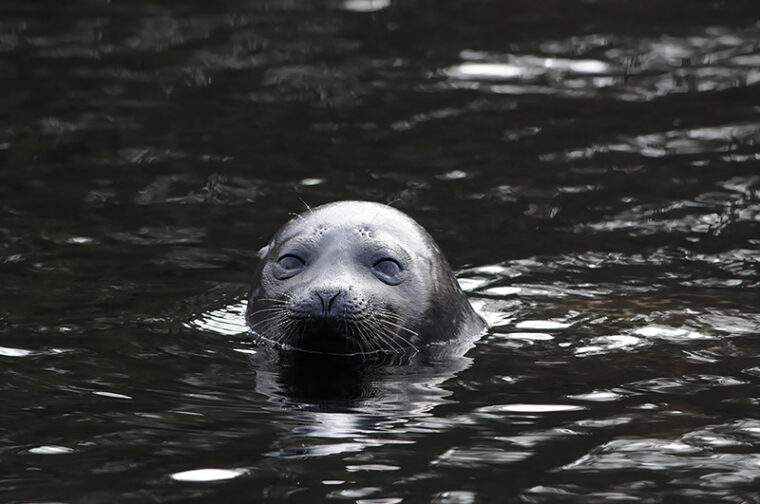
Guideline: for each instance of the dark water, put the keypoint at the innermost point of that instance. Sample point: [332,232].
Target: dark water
[592,169]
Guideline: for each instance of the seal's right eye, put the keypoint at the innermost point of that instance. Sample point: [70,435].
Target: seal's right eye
[388,267]
[290,265]
[388,270]
[291,262]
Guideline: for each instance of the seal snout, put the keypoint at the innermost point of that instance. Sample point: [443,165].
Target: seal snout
[327,303]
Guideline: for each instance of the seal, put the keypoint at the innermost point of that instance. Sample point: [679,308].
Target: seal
[356,278]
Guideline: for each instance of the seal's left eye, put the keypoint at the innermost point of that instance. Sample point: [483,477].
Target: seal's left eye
[388,267]
[291,262]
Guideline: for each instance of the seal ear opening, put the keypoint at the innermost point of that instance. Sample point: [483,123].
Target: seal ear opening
[263,251]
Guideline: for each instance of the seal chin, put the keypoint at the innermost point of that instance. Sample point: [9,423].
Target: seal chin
[328,336]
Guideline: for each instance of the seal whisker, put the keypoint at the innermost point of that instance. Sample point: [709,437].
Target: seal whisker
[390,344]
[365,337]
[357,337]
[286,334]
[374,337]
[276,300]
[276,327]
[402,328]
[306,205]
[399,326]
[371,337]
[369,343]
[393,202]
[365,343]
[386,335]
[391,315]
[276,317]
[274,309]
[397,336]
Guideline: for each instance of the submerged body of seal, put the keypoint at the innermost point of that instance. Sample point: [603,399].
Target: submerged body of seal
[356,277]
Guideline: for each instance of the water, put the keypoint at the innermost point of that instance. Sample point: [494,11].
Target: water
[590,169]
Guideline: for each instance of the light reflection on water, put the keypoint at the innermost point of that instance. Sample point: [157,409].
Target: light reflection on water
[637,69]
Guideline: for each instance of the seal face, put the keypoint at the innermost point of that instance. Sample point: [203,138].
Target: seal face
[356,277]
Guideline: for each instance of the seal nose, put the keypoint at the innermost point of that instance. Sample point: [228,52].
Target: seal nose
[327,299]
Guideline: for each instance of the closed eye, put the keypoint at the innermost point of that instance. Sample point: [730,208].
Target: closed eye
[388,267]
[289,265]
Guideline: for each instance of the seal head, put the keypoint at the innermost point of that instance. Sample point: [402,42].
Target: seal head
[356,278]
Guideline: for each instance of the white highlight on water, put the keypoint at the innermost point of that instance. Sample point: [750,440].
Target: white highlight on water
[542,324]
[201,475]
[14,352]
[51,450]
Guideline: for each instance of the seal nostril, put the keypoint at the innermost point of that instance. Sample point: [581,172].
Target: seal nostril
[330,304]
[327,299]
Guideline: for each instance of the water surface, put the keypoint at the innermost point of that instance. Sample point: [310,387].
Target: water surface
[589,168]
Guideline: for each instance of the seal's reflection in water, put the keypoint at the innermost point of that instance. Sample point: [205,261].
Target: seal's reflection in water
[328,381]
[352,398]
